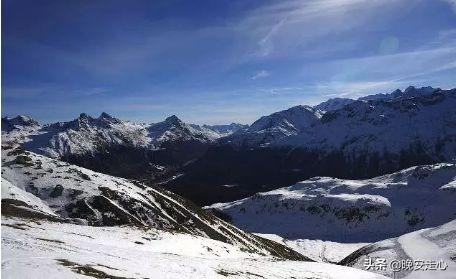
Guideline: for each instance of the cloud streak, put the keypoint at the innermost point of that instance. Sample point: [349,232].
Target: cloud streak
[452,3]
[260,74]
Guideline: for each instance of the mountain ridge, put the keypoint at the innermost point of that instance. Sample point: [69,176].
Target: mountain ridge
[363,138]
[35,186]
[351,210]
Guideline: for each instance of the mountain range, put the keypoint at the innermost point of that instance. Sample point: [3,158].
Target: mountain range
[363,139]
[342,138]
[288,196]
[113,146]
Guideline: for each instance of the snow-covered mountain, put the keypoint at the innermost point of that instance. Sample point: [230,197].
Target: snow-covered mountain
[351,210]
[384,123]
[226,130]
[63,221]
[35,186]
[364,138]
[17,123]
[173,129]
[427,253]
[426,122]
[361,140]
[333,104]
[113,146]
[409,92]
[276,126]
[88,135]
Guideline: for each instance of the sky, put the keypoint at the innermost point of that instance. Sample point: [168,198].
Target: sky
[216,62]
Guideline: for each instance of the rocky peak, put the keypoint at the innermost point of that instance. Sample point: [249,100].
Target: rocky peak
[333,104]
[296,117]
[84,116]
[174,120]
[9,124]
[107,118]
[105,115]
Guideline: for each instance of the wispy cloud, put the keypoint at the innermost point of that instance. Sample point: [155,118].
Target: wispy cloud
[93,91]
[266,45]
[452,4]
[260,74]
[287,27]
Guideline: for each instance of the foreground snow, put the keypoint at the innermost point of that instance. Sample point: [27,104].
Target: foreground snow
[55,250]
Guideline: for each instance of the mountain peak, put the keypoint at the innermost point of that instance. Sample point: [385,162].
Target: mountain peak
[306,107]
[409,92]
[23,120]
[333,104]
[409,89]
[105,115]
[286,122]
[173,119]
[84,116]
[9,124]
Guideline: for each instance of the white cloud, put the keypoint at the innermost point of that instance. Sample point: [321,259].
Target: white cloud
[265,44]
[289,27]
[260,74]
[452,4]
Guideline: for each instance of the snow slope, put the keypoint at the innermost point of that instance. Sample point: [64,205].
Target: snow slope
[36,186]
[430,245]
[226,130]
[333,104]
[351,210]
[317,250]
[276,126]
[54,250]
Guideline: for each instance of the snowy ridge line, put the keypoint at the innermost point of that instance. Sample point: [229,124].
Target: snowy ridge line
[332,129]
[238,236]
[221,223]
[84,196]
[86,135]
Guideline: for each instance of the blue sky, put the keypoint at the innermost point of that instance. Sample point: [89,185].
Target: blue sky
[216,61]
